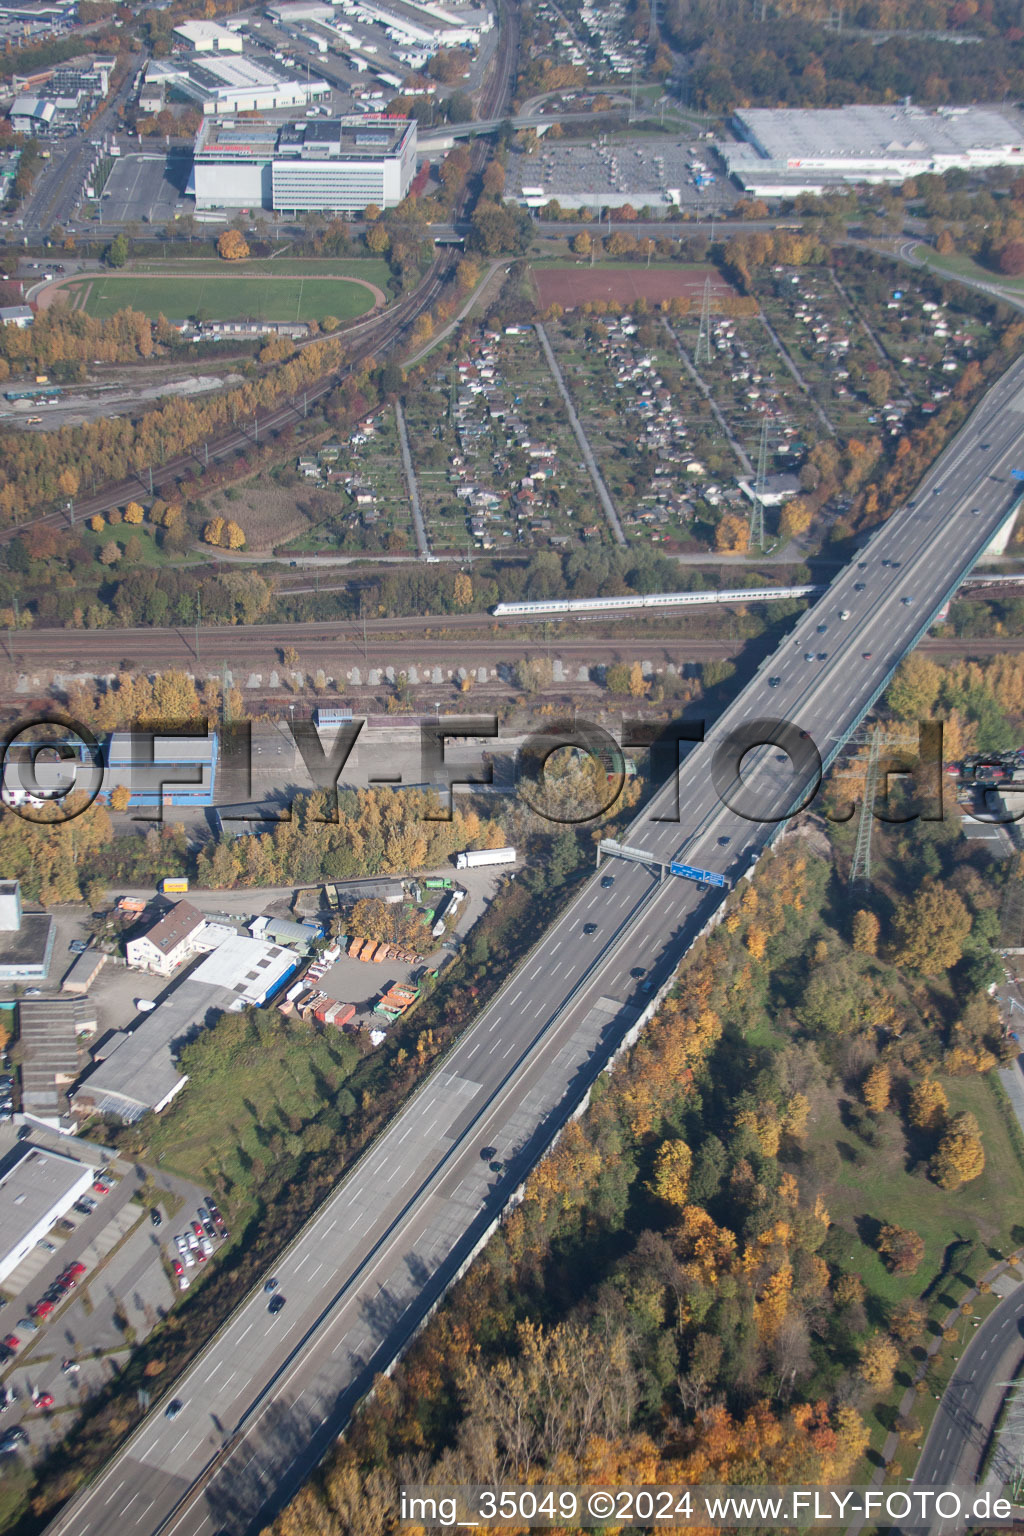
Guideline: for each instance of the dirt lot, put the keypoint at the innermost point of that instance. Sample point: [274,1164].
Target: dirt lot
[271,514]
[575,285]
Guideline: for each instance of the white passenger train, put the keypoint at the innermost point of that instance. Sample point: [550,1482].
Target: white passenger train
[571,605]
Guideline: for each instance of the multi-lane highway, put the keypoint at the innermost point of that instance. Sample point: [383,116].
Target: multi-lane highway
[265,1399]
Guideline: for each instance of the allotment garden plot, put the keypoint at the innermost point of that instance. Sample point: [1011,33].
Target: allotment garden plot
[670,468]
[875,350]
[496,460]
[357,490]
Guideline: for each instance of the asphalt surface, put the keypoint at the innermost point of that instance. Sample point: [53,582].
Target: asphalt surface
[267,1397]
[960,1430]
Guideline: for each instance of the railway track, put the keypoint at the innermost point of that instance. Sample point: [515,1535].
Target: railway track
[259,648]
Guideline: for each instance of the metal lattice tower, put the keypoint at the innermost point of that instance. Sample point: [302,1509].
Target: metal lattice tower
[760,479]
[861,867]
[703,352]
[879,741]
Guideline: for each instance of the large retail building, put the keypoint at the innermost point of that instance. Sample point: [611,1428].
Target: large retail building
[319,165]
[787,151]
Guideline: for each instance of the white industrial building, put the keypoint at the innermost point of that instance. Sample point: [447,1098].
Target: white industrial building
[222,84]
[250,970]
[208,37]
[32,115]
[337,164]
[36,1191]
[787,151]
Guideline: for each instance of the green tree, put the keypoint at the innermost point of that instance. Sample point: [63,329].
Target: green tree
[116,253]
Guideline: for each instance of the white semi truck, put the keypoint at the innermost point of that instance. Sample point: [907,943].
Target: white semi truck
[475,858]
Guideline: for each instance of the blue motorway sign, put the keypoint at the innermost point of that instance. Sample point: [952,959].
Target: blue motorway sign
[702,876]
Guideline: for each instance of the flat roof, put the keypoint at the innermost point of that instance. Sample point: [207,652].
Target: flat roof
[245,969]
[28,944]
[47,1026]
[359,136]
[857,132]
[31,1187]
[140,1071]
[123,749]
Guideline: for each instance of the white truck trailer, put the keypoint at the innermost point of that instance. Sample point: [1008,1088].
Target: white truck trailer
[475,858]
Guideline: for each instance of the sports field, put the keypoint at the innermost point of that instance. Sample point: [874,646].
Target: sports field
[229,296]
[581,284]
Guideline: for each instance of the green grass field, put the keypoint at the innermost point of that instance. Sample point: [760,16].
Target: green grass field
[224,297]
[965,266]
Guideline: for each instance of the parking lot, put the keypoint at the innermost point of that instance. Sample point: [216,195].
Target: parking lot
[653,172]
[127,1284]
[146,187]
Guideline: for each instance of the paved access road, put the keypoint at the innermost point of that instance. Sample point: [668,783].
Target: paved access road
[960,1430]
[267,1397]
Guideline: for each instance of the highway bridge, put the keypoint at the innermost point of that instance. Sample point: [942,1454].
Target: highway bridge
[266,1398]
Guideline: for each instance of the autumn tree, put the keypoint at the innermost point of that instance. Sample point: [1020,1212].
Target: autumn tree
[120,796]
[928,1106]
[133,513]
[671,1178]
[877,1088]
[582,244]
[233,537]
[901,1249]
[865,932]
[232,246]
[960,1156]
[732,536]
[930,929]
[462,595]
[914,691]
[879,1357]
[795,518]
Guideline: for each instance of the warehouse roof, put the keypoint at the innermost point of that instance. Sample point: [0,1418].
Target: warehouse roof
[246,970]
[856,132]
[139,1071]
[31,1187]
[48,1027]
